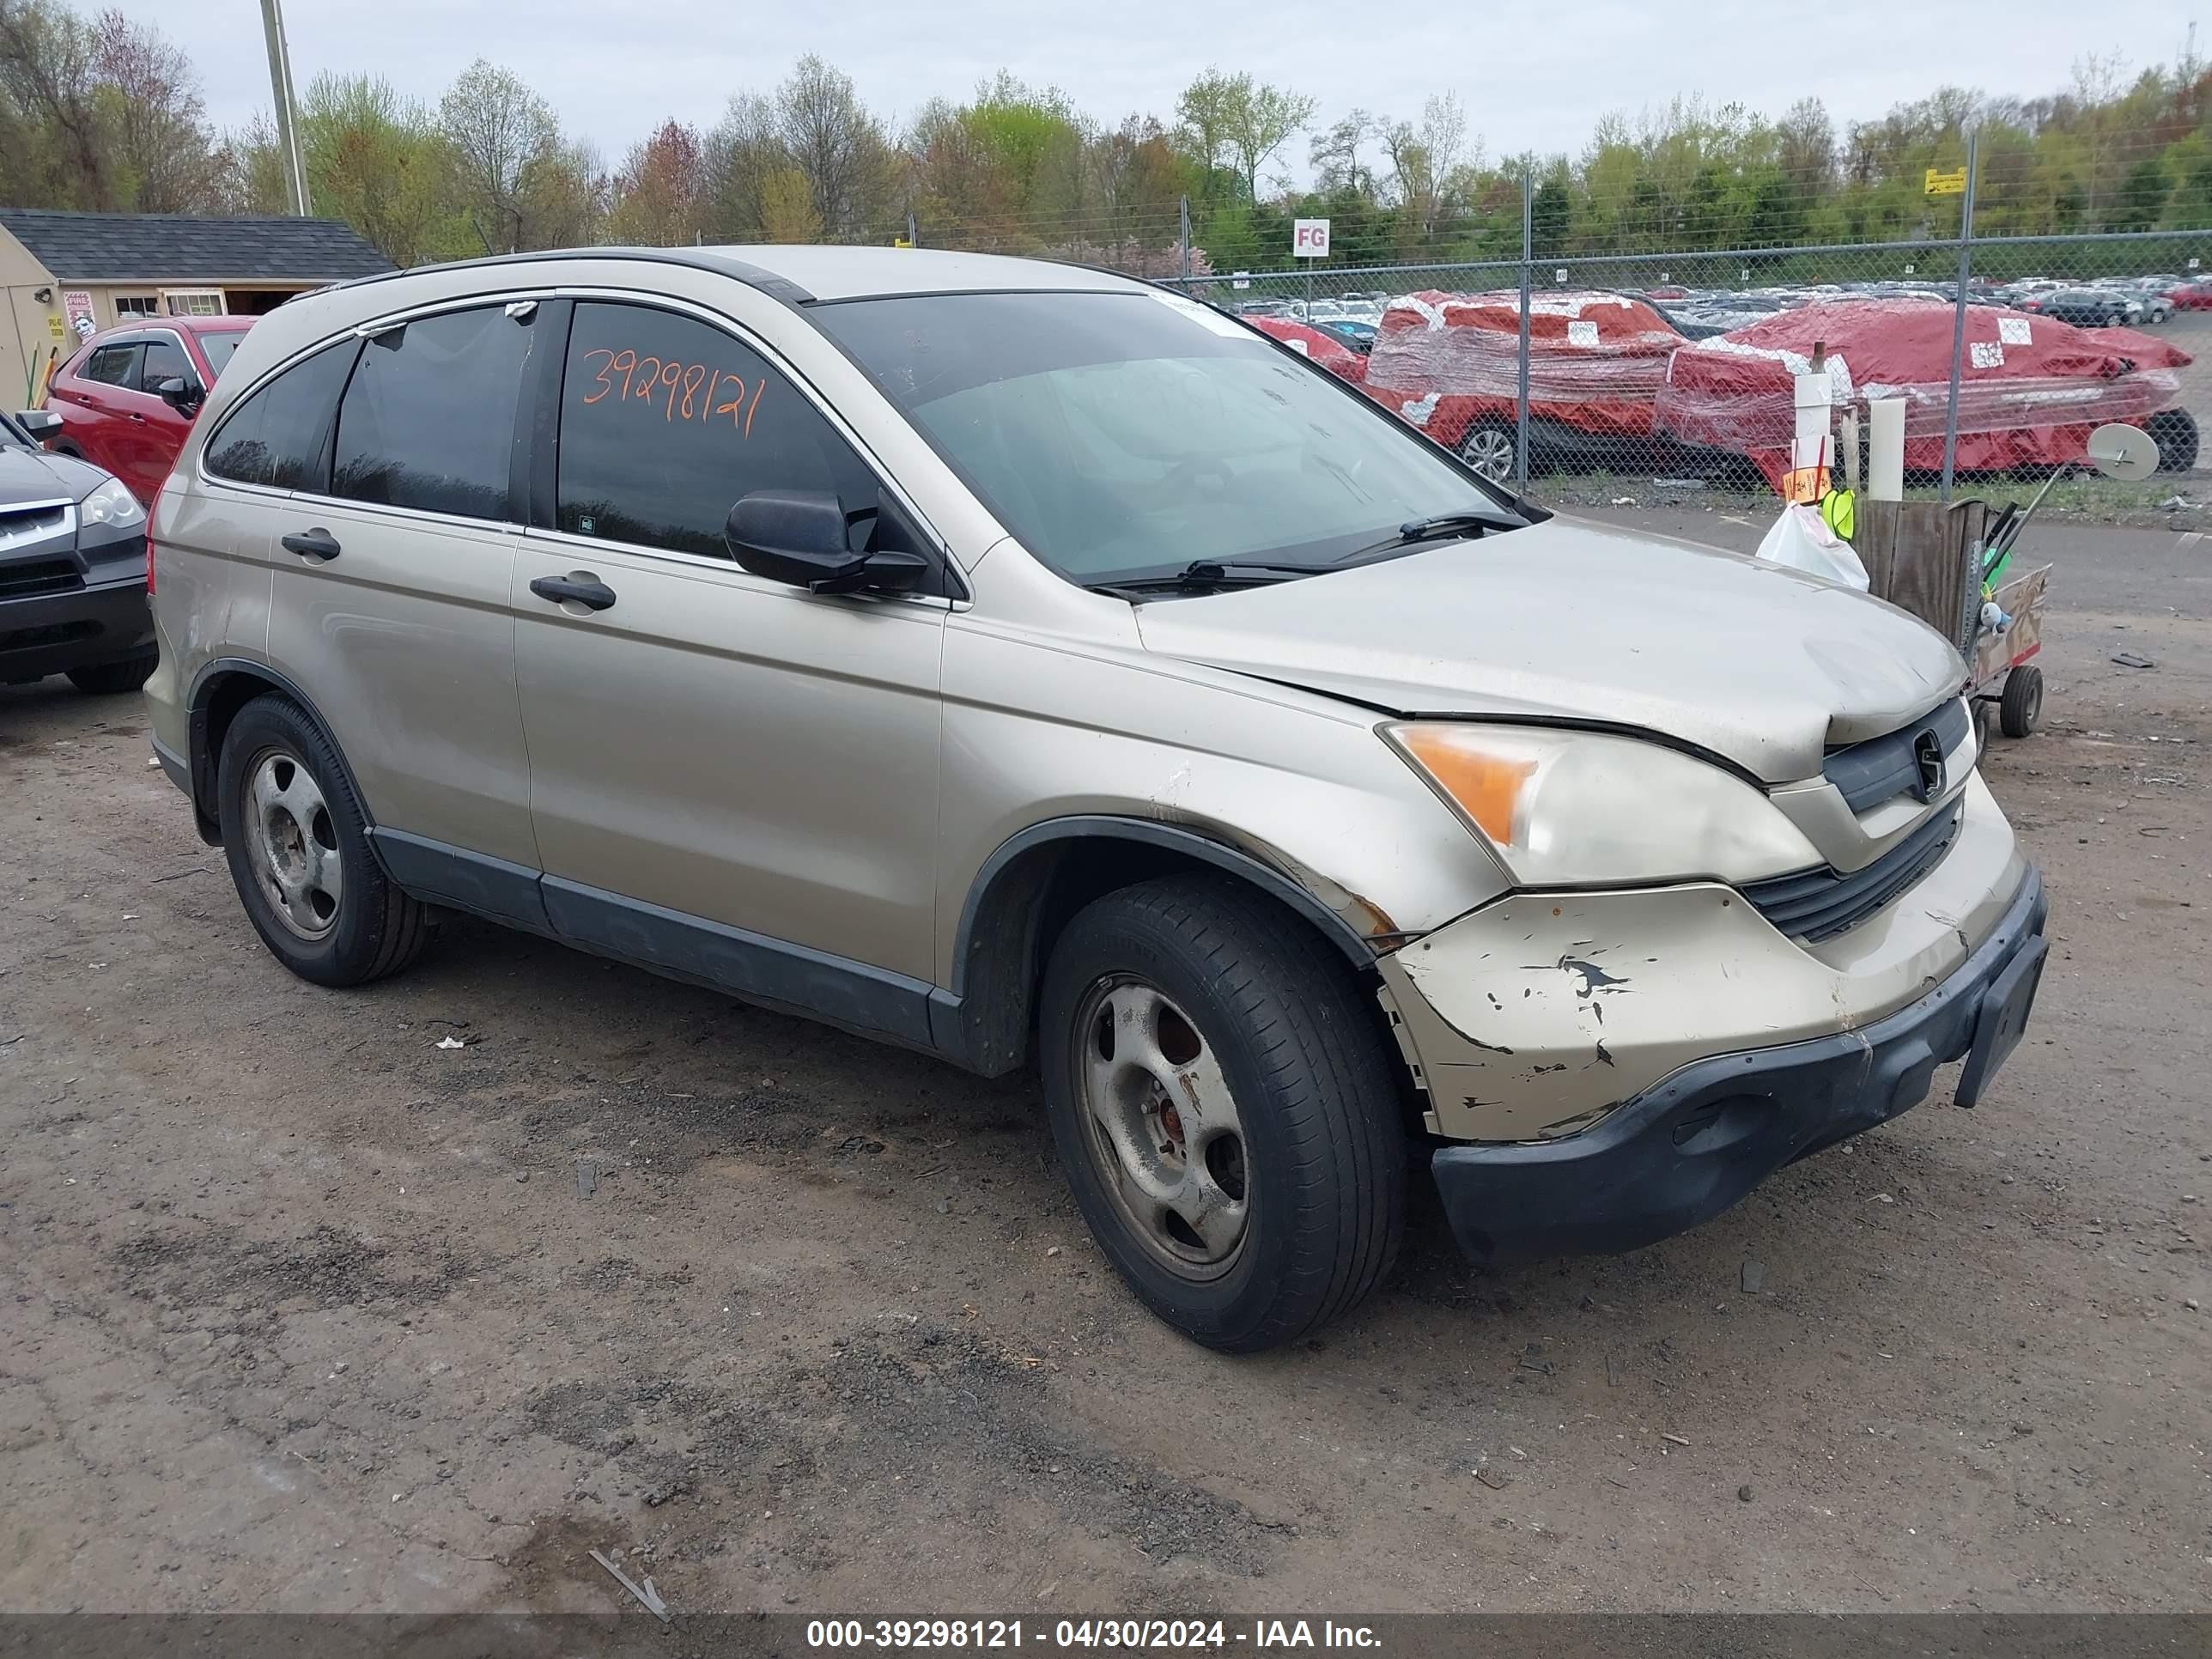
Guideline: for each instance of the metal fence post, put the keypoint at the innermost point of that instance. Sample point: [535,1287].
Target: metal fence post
[1959,318]
[1182,236]
[1528,274]
[913,232]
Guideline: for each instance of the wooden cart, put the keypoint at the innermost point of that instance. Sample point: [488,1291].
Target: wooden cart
[1927,559]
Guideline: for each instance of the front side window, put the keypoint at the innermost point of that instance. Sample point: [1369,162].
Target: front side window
[164,360]
[1127,435]
[427,421]
[665,421]
[218,349]
[275,436]
[113,365]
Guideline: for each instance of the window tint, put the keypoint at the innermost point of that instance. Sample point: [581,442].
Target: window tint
[272,437]
[665,421]
[113,365]
[165,361]
[428,418]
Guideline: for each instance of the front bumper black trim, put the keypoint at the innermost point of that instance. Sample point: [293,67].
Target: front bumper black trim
[1697,1141]
[51,633]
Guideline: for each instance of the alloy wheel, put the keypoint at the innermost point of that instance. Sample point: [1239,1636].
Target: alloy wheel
[293,845]
[1162,1126]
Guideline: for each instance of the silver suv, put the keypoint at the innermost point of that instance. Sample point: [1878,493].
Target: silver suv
[1031,666]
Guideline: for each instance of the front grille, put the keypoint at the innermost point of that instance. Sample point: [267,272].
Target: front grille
[1867,773]
[34,577]
[1817,904]
[23,523]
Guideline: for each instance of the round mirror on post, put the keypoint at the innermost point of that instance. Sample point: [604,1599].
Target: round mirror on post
[2123,452]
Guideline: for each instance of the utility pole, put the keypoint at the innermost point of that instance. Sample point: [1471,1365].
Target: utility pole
[287,113]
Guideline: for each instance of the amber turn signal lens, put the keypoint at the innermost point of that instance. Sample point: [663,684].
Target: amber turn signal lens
[1486,787]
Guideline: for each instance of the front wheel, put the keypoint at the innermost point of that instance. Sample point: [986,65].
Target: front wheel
[297,843]
[1492,448]
[1226,1108]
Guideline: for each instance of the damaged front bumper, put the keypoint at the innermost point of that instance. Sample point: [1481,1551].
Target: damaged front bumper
[1624,1064]
[1682,1152]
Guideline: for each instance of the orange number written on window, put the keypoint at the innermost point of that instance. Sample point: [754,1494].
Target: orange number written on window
[685,391]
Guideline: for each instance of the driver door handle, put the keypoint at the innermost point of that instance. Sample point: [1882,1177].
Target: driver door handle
[316,544]
[577,590]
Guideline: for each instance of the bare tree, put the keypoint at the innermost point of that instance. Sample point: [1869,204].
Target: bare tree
[841,148]
[163,150]
[47,71]
[497,127]
[1334,155]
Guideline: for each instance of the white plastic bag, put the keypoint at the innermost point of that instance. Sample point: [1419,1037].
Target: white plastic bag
[1801,540]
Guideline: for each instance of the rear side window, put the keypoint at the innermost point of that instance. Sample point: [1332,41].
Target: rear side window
[113,365]
[427,421]
[665,421]
[165,361]
[275,436]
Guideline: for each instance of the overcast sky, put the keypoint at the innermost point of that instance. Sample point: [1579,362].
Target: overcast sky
[615,69]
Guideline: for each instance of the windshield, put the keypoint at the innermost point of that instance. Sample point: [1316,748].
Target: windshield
[1122,436]
[217,348]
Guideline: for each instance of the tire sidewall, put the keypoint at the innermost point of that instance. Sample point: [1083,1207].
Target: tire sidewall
[1228,1310]
[267,725]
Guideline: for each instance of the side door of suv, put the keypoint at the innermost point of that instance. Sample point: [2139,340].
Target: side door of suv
[389,605]
[729,777]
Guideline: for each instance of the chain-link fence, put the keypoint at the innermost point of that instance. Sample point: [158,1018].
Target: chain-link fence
[1591,378]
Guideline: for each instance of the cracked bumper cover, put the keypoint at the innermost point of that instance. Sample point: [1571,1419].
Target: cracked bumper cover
[1689,1148]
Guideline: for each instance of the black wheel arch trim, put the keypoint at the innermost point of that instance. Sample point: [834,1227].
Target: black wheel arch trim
[200,760]
[974,1030]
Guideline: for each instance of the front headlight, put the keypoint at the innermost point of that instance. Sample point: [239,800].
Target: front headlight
[1568,808]
[111,505]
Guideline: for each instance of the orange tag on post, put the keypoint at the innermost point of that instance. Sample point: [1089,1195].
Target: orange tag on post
[1805,485]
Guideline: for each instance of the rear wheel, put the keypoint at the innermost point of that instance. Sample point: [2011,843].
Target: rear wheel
[297,843]
[2174,431]
[2021,709]
[1225,1109]
[104,679]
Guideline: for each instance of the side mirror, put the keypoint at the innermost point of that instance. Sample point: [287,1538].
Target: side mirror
[799,537]
[39,424]
[179,393]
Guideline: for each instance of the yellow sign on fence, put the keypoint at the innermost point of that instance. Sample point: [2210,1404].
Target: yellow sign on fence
[1946,183]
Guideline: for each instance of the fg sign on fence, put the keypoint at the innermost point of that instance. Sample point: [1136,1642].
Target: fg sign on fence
[1309,238]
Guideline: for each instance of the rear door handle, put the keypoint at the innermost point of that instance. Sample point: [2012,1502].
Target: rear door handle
[578,589]
[316,544]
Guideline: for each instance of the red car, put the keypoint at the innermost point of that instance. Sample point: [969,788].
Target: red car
[2193,296]
[129,396]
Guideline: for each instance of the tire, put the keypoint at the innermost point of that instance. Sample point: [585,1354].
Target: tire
[302,861]
[1492,448]
[106,680]
[2174,431]
[2019,711]
[1308,1160]
[1981,726]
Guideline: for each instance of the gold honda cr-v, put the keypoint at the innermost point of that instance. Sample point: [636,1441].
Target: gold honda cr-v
[1033,666]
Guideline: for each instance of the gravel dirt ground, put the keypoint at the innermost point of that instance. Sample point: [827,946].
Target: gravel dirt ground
[304,1310]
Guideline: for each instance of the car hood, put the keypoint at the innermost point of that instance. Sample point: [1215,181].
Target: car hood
[1566,620]
[32,475]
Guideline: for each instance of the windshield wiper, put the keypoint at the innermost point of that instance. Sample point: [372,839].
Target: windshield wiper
[1213,573]
[1436,527]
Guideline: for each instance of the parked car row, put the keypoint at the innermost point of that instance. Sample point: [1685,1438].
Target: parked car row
[1686,385]
[77,478]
